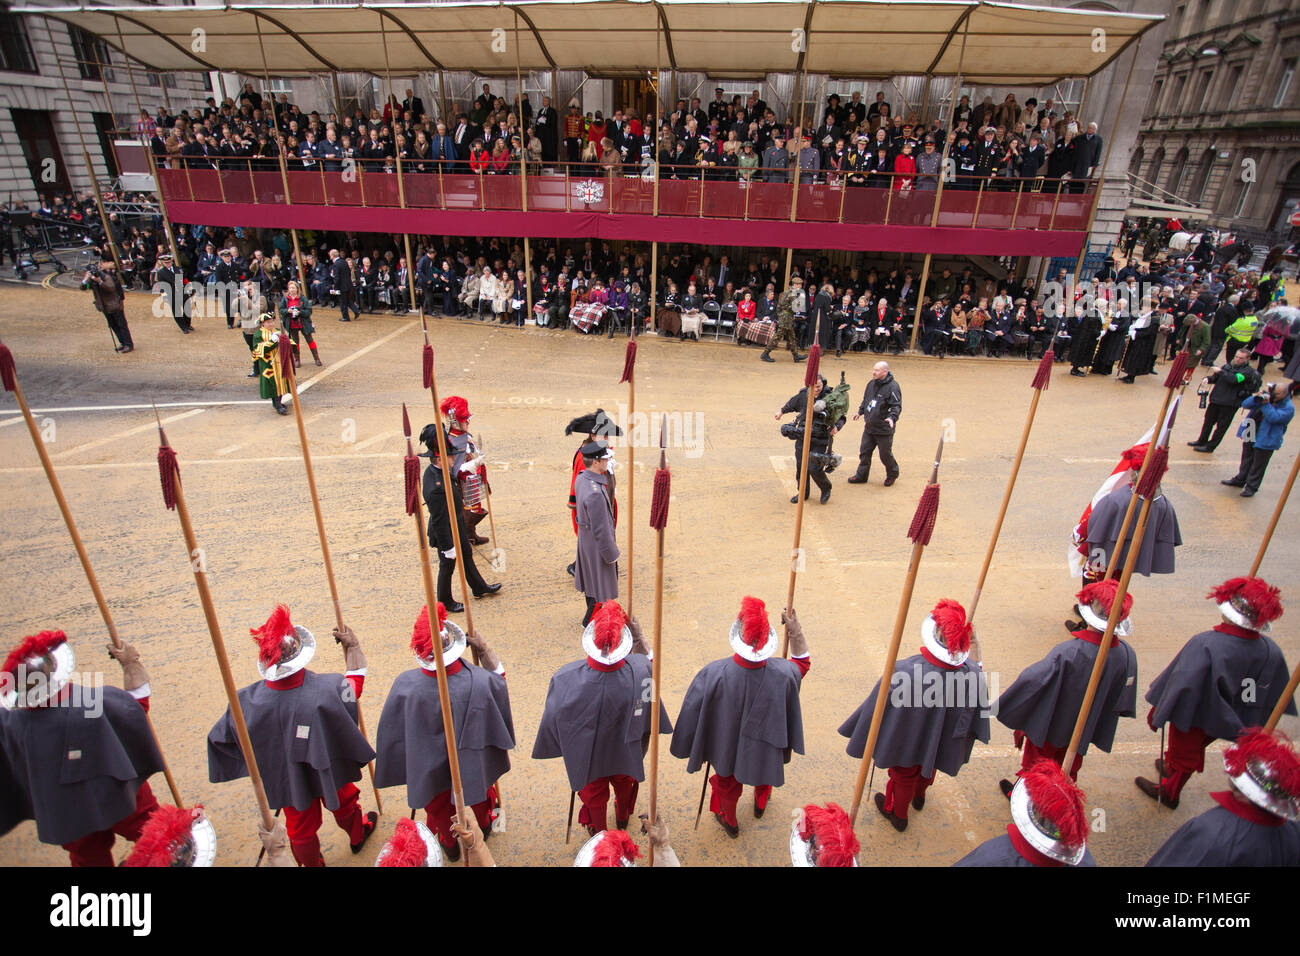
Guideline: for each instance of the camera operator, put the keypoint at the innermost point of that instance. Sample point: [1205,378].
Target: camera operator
[1233,382]
[110,299]
[1268,412]
[823,431]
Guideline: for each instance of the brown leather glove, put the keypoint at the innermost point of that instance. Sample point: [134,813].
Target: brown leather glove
[471,838]
[486,658]
[133,673]
[639,645]
[276,842]
[353,658]
[794,634]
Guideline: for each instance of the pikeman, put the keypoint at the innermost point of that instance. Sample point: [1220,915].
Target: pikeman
[466,465]
[271,381]
[594,426]
[1254,823]
[413,844]
[617,848]
[741,714]
[1048,824]
[175,836]
[823,836]
[596,718]
[1156,554]
[596,566]
[485,734]
[936,709]
[76,759]
[1043,703]
[1221,681]
[303,728]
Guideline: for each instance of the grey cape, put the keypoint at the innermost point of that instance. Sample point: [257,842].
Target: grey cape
[920,732]
[1218,837]
[1204,685]
[745,721]
[485,733]
[305,740]
[596,572]
[1043,703]
[599,721]
[1000,851]
[72,770]
[1156,556]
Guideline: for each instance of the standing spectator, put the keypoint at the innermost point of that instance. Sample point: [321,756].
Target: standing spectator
[776,160]
[1269,413]
[1233,383]
[881,406]
[1087,157]
[110,299]
[341,283]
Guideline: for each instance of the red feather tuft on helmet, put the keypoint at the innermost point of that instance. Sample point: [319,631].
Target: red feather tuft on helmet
[829,827]
[1102,593]
[615,849]
[1269,747]
[607,621]
[270,634]
[456,407]
[405,847]
[37,645]
[754,626]
[950,618]
[167,827]
[422,636]
[1058,798]
[1265,599]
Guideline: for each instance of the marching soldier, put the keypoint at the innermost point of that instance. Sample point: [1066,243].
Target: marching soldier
[303,728]
[1048,824]
[1221,681]
[1156,553]
[466,465]
[168,282]
[440,533]
[176,836]
[411,741]
[792,305]
[918,738]
[596,567]
[596,718]
[741,714]
[823,836]
[598,425]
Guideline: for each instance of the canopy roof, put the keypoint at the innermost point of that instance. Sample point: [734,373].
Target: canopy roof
[988,43]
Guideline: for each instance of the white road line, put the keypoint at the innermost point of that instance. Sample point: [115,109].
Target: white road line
[228,449]
[148,405]
[375,440]
[126,434]
[13,421]
[342,363]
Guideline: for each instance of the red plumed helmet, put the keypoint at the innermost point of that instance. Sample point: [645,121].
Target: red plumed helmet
[1102,594]
[950,618]
[616,849]
[1271,749]
[1057,800]
[271,634]
[829,829]
[754,626]
[608,620]
[37,645]
[422,636]
[168,828]
[405,847]
[1264,602]
[455,407]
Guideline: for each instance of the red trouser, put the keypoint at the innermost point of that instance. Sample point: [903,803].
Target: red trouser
[595,798]
[302,825]
[726,794]
[1033,754]
[441,811]
[1184,756]
[905,783]
[95,849]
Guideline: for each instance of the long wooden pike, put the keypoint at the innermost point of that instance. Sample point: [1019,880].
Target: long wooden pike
[285,357]
[810,378]
[414,506]
[629,376]
[659,521]
[927,511]
[1042,378]
[174,498]
[1272,524]
[9,377]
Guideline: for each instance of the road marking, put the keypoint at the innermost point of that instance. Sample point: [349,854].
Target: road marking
[12,421]
[375,440]
[146,405]
[342,363]
[228,449]
[126,434]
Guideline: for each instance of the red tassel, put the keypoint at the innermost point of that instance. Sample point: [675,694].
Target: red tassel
[659,499]
[7,368]
[1177,370]
[428,365]
[170,474]
[926,512]
[814,365]
[412,472]
[284,355]
[629,362]
[1156,469]
[1043,376]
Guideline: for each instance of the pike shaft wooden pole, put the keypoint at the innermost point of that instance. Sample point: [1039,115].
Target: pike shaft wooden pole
[1272,524]
[1280,708]
[631,479]
[801,486]
[1113,559]
[654,699]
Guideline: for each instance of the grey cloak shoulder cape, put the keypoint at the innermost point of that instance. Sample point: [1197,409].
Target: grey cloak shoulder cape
[595,572]
[745,721]
[72,770]
[1000,851]
[920,731]
[412,744]
[1218,837]
[1156,555]
[305,740]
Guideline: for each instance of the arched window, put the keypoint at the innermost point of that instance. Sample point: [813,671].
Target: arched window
[1178,173]
[1203,170]
[1135,164]
[1154,172]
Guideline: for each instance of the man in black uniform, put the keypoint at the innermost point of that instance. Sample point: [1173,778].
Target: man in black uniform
[168,283]
[824,430]
[882,404]
[341,282]
[440,536]
[227,274]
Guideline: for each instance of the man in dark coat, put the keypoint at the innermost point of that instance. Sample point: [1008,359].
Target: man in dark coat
[594,426]
[1111,348]
[1139,356]
[1043,703]
[1224,316]
[1049,826]
[412,741]
[1233,382]
[341,282]
[1221,681]
[440,534]
[171,287]
[596,567]
[1254,823]
[228,276]
[75,759]
[548,129]
[1083,344]
[303,728]
[596,719]
[824,430]
[741,714]
[937,708]
[1156,553]
[881,406]
[821,309]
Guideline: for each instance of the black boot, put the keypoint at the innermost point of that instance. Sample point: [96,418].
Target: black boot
[796,356]
[767,356]
[278,404]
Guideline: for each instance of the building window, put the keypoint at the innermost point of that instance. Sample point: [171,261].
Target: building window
[90,52]
[1241,201]
[1203,90]
[1232,89]
[1155,98]
[1284,85]
[15,48]
[1176,97]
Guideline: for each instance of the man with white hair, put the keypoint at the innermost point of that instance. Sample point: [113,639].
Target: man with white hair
[882,404]
[1087,157]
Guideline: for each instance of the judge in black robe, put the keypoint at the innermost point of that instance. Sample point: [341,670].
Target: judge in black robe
[1111,349]
[1140,353]
[1084,342]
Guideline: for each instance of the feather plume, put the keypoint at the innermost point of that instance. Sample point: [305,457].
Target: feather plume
[755,628]
[270,635]
[1271,748]
[615,849]
[1102,593]
[607,621]
[168,828]
[1058,799]
[1265,599]
[37,645]
[405,847]
[832,833]
[950,617]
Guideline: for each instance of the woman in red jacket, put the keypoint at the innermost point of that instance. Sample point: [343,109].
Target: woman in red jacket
[905,168]
[478,157]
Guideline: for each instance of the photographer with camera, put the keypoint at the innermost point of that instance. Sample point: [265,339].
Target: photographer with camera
[110,299]
[830,409]
[1232,383]
[1269,411]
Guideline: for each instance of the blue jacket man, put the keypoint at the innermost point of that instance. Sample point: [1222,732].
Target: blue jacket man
[1268,413]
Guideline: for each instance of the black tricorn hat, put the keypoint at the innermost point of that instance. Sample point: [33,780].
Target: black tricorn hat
[429,438]
[597,423]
